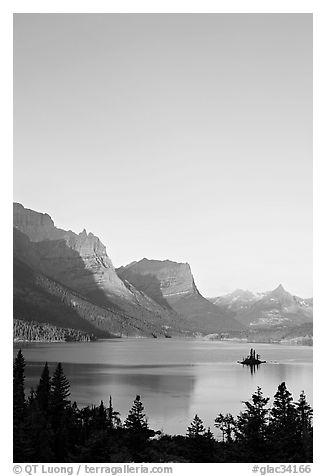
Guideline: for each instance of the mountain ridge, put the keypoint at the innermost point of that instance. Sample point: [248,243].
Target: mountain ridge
[148,297]
[175,285]
[80,263]
[269,308]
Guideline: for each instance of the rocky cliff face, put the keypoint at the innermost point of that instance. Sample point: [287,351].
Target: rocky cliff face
[37,226]
[38,298]
[79,260]
[173,284]
[149,297]
[80,263]
[175,279]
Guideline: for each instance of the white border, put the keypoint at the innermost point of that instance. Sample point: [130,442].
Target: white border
[130,6]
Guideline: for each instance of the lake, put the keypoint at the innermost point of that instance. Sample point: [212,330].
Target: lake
[175,378]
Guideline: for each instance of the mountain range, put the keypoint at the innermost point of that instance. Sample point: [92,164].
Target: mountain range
[68,280]
[267,309]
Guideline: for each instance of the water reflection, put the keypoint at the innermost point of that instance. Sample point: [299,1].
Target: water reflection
[165,394]
[253,367]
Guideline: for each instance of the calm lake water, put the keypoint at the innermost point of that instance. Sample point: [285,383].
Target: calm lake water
[175,378]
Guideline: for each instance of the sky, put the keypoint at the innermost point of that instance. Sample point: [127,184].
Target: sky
[172,136]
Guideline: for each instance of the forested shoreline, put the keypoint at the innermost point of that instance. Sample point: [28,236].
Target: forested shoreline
[48,427]
[31,331]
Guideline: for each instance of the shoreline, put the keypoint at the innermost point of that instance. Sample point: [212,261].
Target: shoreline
[200,339]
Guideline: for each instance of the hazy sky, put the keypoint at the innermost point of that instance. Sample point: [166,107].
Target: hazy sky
[179,136]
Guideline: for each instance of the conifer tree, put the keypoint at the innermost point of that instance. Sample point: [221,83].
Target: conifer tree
[60,391]
[59,416]
[209,435]
[283,411]
[136,420]
[226,424]
[43,390]
[304,420]
[200,442]
[18,388]
[251,427]
[19,408]
[139,432]
[196,428]
[100,417]
[113,417]
[304,413]
[282,427]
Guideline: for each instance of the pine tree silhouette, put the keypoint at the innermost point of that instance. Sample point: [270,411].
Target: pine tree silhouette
[60,390]
[196,428]
[305,431]
[209,435]
[251,428]
[18,388]
[282,427]
[304,413]
[139,432]
[283,411]
[226,424]
[136,420]
[100,417]
[113,417]
[59,416]
[43,390]
[19,408]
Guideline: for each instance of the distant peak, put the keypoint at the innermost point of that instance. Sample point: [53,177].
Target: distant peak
[279,291]
[280,288]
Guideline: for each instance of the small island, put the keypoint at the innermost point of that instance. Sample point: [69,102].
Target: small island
[252,359]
